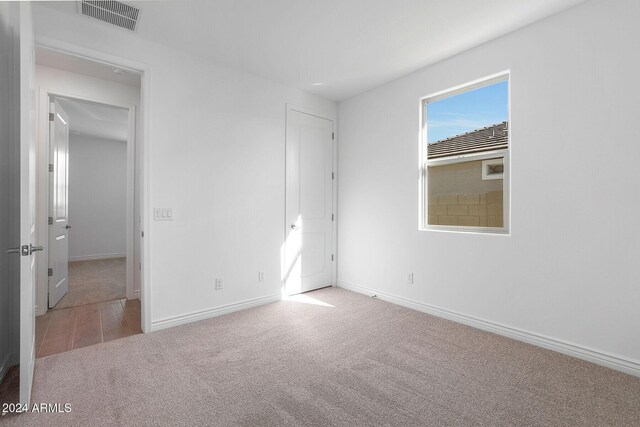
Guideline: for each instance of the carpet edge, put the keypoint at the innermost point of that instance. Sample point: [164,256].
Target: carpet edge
[618,363]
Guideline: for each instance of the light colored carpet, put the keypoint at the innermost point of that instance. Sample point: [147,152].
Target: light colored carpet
[95,281]
[348,360]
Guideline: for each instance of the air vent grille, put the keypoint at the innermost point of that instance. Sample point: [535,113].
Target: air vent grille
[112,12]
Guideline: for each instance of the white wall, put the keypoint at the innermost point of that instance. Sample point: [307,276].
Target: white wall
[568,273]
[81,85]
[97,198]
[216,141]
[59,81]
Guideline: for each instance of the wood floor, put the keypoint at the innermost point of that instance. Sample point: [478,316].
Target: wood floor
[70,328]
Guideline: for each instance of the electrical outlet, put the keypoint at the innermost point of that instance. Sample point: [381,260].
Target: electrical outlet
[219,284]
[410,278]
[260,276]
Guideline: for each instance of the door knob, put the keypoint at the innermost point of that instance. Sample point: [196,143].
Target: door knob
[24,250]
[67,226]
[35,249]
[294,227]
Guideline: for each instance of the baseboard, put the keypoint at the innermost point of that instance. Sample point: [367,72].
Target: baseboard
[4,367]
[169,322]
[97,257]
[619,363]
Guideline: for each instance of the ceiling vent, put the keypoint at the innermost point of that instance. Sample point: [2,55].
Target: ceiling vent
[112,12]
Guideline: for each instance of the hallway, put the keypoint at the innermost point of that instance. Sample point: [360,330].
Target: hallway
[95,281]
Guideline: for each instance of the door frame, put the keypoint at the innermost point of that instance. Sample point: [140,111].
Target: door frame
[141,147]
[46,97]
[334,189]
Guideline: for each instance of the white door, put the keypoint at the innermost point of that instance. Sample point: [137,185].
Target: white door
[58,202]
[27,204]
[308,260]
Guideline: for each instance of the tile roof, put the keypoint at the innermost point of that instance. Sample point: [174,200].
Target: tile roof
[494,137]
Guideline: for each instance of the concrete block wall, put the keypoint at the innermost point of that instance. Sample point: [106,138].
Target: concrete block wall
[474,210]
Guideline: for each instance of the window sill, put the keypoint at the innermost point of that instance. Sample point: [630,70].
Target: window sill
[492,231]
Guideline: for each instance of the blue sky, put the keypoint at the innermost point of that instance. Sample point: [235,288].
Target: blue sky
[467,111]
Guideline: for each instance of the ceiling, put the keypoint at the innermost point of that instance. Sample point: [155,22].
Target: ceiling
[96,120]
[333,48]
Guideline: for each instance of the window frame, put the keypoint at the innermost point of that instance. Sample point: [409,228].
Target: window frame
[505,153]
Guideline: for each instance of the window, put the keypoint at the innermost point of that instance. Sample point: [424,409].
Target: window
[493,169]
[465,157]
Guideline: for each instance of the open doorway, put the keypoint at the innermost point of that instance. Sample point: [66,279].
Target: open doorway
[67,71]
[89,203]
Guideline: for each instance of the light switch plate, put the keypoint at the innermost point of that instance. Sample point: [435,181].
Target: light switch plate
[163,214]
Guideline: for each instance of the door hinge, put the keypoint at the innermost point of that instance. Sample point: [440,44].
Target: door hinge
[331,257]
[333,135]
[51,117]
[50,221]
[50,167]
[333,175]
[50,272]
[331,217]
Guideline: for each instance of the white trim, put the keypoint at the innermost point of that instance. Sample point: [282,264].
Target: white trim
[311,112]
[194,316]
[42,199]
[91,54]
[4,367]
[131,201]
[464,87]
[619,363]
[97,257]
[143,144]
[334,249]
